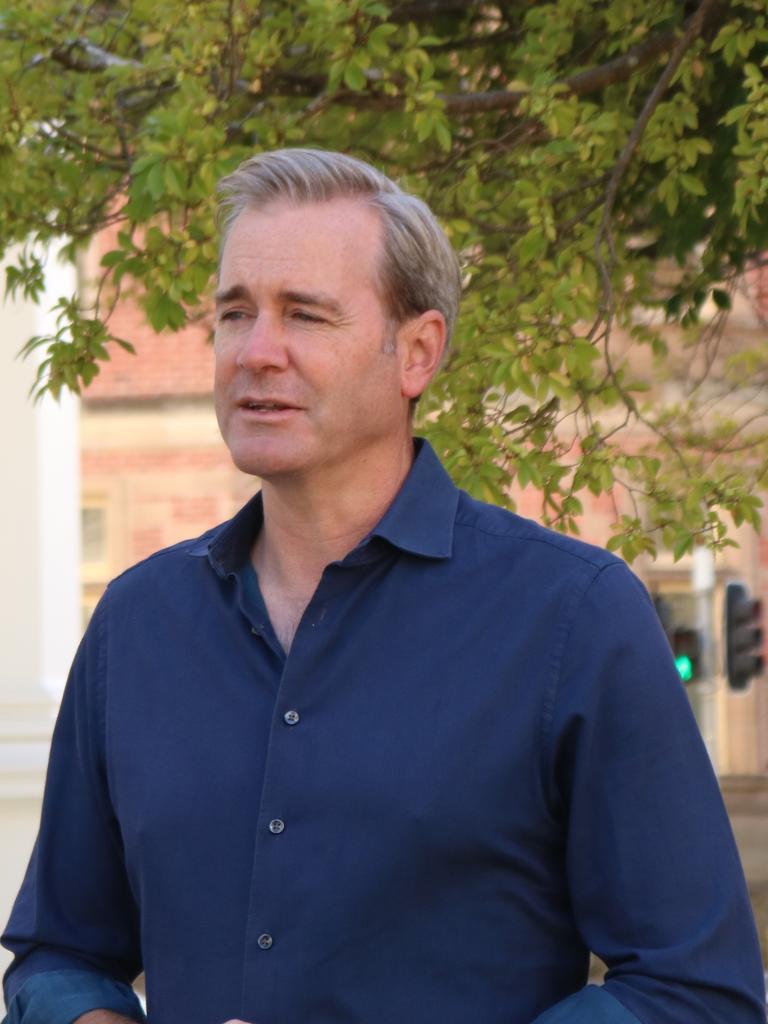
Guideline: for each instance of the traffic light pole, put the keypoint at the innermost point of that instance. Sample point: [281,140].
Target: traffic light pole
[704,691]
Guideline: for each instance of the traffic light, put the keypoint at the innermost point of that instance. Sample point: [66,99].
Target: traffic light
[685,641]
[686,647]
[743,636]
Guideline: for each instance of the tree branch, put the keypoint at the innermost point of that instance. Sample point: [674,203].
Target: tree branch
[582,83]
[94,57]
[416,10]
[83,56]
[75,143]
[693,30]
[592,80]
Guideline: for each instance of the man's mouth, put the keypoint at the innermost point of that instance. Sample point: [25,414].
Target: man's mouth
[266,406]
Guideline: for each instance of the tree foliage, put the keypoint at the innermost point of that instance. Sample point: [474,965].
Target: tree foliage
[602,166]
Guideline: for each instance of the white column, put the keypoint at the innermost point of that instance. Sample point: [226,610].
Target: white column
[40,596]
[58,504]
[705,691]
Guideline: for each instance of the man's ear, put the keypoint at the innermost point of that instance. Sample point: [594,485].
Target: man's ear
[420,346]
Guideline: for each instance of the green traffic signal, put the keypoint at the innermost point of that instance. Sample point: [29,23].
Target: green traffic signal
[684,667]
[687,647]
[687,642]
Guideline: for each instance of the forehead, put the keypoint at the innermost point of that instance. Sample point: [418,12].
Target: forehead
[336,243]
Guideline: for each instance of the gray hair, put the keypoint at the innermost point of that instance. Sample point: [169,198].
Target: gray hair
[419,269]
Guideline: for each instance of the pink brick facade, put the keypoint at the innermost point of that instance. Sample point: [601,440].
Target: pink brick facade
[165,365]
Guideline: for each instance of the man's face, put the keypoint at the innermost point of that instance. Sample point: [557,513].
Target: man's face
[304,377]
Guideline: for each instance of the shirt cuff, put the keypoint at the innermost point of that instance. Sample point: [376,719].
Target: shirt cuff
[592,1005]
[60,997]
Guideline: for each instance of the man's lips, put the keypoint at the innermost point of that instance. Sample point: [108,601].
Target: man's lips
[266,405]
[266,411]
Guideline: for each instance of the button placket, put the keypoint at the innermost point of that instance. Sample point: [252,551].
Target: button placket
[274,859]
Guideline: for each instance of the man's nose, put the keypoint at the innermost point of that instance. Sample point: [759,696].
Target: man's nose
[263,346]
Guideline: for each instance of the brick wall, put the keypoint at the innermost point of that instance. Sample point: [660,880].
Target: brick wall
[756,283]
[124,461]
[165,365]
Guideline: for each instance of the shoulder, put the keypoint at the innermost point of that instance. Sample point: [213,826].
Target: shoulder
[175,565]
[507,534]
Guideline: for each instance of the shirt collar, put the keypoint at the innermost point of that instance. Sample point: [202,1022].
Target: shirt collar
[228,546]
[420,520]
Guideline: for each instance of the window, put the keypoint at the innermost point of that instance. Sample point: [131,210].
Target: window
[95,560]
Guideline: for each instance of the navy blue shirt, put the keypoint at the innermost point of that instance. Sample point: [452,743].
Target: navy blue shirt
[476,764]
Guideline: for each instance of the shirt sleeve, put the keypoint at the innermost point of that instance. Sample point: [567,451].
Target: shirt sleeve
[656,885]
[593,1005]
[60,997]
[75,909]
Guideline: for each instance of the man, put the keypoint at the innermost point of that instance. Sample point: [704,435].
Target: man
[371,752]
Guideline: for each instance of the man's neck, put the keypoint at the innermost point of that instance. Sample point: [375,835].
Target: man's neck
[311,522]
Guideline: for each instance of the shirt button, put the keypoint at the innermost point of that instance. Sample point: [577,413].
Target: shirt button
[291,717]
[265,941]
[276,826]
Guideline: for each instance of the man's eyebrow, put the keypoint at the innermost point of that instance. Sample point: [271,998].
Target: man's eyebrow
[237,291]
[318,299]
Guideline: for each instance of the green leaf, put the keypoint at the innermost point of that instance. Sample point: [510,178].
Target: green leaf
[354,76]
[683,546]
[174,177]
[693,185]
[443,133]
[112,258]
[155,181]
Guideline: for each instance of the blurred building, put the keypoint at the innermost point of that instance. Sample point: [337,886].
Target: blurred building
[154,468]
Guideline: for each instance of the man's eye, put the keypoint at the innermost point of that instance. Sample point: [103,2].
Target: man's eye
[304,317]
[232,314]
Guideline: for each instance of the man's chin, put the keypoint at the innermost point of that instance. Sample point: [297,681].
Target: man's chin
[265,464]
